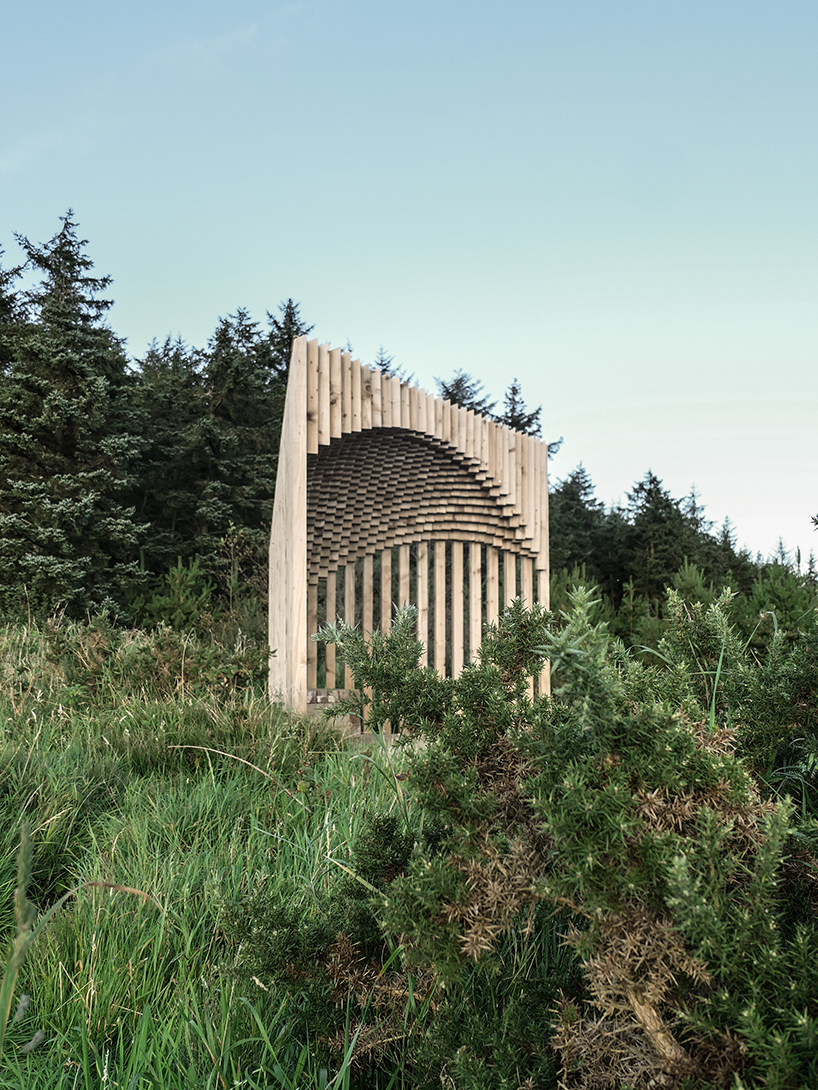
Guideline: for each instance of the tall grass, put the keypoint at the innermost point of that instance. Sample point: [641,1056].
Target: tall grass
[198,796]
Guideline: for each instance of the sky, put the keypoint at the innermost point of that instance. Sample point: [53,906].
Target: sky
[613,201]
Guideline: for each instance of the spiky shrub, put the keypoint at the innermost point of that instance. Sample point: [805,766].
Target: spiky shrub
[448,1020]
[624,803]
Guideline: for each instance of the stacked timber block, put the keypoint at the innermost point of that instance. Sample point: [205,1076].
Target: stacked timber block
[386,495]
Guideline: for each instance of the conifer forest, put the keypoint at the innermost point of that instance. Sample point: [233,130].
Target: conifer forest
[612,886]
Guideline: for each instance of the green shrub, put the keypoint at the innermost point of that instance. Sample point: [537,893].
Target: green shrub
[687,892]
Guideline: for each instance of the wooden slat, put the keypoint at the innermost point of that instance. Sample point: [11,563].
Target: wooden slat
[366,398]
[542,560]
[335,394]
[349,613]
[346,393]
[438,405]
[446,430]
[493,585]
[457,608]
[461,429]
[288,544]
[323,395]
[440,607]
[400,404]
[357,396]
[413,409]
[386,590]
[312,397]
[331,618]
[377,403]
[423,600]
[421,409]
[312,627]
[527,580]
[475,599]
[386,401]
[503,440]
[403,575]
[430,414]
[515,456]
[469,445]
[367,596]
[509,577]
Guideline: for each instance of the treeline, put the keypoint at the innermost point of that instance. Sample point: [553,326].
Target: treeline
[111,469]
[145,487]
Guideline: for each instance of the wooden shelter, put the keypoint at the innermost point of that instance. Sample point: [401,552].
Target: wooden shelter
[386,495]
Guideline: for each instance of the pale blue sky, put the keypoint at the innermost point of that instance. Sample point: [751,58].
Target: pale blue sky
[613,201]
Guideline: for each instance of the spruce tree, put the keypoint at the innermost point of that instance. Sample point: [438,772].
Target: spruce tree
[654,548]
[66,445]
[575,518]
[280,338]
[9,311]
[461,389]
[245,408]
[515,412]
[387,366]
[174,422]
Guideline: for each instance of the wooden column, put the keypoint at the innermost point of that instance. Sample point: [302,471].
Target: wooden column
[457,608]
[440,607]
[312,397]
[493,585]
[527,580]
[288,544]
[312,627]
[403,575]
[386,590]
[349,612]
[509,577]
[323,395]
[367,597]
[331,618]
[336,408]
[475,599]
[423,600]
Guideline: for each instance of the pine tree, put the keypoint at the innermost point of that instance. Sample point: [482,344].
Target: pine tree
[280,338]
[9,311]
[575,517]
[386,365]
[245,409]
[465,391]
[654,549]
[173,416]
[66,444]
[515,413]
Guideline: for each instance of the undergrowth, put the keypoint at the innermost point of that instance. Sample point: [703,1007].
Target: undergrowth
[614,886]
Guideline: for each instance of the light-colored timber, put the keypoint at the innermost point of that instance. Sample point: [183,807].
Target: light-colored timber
[367,464]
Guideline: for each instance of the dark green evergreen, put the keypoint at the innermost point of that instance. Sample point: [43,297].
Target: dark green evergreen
[211,420]
[282,331]
[67,442]
[516,414]
[387,366]
[171,403]
[461,389]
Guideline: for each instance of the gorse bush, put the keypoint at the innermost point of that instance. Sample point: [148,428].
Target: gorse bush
[638,813]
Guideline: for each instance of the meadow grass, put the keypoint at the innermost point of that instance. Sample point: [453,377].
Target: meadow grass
[197,799]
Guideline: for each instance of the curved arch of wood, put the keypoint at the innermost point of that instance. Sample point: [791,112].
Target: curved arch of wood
[367,465]
[426,491]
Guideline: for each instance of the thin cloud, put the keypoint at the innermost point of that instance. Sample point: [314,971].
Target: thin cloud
[26,150]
